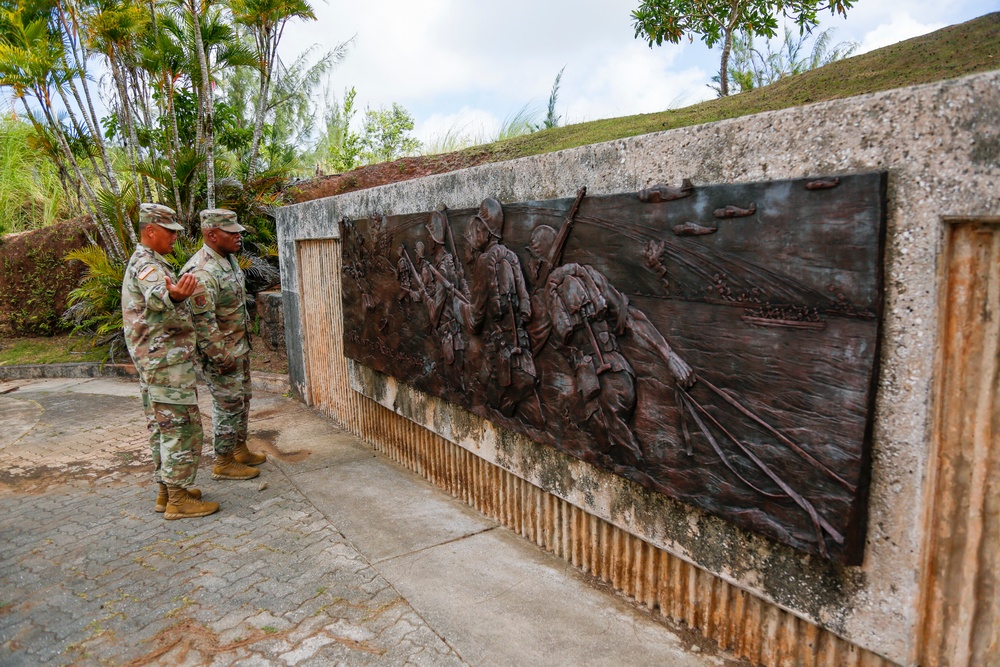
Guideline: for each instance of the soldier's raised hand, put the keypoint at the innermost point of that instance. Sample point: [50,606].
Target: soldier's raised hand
[184,287]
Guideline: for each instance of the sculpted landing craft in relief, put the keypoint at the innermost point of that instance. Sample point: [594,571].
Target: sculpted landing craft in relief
[717,344]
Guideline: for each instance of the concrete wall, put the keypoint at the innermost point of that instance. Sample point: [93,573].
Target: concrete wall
[940,144]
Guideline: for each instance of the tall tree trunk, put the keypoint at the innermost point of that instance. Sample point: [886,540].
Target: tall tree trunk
[173,144]
[206,85]
[198,135]
[61,171]
[132,141]
[107,174]
[727,46]
[728,29]
[141,103]
[107,230]
[260,109]
[88,113]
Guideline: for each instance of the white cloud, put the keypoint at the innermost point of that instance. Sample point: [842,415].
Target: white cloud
[455,63]
[901,27]
[635,79]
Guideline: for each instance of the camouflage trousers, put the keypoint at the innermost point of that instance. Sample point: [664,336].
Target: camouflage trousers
[170,403]
[231,394]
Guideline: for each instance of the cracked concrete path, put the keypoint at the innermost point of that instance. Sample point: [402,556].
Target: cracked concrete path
[332,556]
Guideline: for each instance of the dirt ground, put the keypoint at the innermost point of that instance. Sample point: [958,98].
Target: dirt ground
[267,360]
[371,176]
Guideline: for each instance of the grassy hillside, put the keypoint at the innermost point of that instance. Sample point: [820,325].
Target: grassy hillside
[951,52]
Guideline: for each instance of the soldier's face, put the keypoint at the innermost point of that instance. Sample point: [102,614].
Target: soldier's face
[159,239]
[229,242]
[223,242]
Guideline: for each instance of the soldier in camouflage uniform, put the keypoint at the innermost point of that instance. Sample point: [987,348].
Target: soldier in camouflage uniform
[219,314]
[161,340]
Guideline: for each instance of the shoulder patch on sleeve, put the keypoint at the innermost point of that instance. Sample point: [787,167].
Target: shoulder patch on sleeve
[201,300]
[146,271]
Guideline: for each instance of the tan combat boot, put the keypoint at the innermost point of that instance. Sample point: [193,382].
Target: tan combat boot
[246,457]
[161,497]
[182,506]
[227,467]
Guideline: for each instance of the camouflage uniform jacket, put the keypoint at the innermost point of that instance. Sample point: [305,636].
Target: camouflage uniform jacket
[158,332]
[218,306]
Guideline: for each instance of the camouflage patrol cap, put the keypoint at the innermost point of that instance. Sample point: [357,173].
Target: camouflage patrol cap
[220,218]
[158,214]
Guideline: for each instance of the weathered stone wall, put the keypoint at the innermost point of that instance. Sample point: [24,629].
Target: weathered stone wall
[272,319]
[940,144]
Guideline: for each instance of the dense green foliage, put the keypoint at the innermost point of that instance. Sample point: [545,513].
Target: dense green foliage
[29,184]
[200,114]
[166,137]
[31,301]
[96,305]
[386,135]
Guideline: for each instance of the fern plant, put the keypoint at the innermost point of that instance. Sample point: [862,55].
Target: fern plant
[96,305]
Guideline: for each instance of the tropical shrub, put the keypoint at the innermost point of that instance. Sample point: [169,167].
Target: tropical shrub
[30,194]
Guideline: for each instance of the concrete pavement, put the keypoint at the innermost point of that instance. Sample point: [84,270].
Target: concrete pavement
[332,556]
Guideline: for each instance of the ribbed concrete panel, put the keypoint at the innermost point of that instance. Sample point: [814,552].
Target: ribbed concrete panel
[322,327]
[738,621]
[961,624]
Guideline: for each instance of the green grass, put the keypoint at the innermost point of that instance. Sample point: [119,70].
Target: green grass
[30,195]
[951,52]
[48,350]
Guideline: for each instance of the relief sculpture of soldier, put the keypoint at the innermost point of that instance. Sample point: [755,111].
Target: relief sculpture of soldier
[441,284]
[582,316]
[499,310]
[597,357]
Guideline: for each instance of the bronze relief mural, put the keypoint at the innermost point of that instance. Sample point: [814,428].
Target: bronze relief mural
[718,344]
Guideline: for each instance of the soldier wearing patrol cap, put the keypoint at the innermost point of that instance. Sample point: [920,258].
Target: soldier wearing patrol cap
[219,314]
[161,340]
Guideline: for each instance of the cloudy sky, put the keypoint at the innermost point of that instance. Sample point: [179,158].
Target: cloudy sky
[466,65]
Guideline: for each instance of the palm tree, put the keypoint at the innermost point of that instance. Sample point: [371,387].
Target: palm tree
[68,21]
[162,56]
[113,28]
[266,21]
[32,55]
